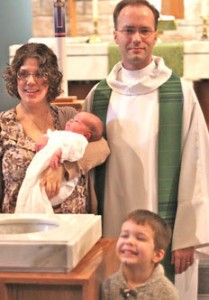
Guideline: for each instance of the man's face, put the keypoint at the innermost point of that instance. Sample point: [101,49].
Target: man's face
[136,36]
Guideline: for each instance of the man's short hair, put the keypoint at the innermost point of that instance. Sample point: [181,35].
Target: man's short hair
[125,3]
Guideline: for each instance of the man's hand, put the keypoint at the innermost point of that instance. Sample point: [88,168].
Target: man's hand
[182,259]
[51,180]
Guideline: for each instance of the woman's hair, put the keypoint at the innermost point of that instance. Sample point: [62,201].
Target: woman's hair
[125,3]
[162,231]
[48,64]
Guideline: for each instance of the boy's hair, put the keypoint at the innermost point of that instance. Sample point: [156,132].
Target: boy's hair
[162,231]
[125,3]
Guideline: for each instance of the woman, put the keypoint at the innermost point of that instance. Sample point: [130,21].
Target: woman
[35,79]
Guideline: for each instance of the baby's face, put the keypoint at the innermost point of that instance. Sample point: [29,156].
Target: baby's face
[77,125]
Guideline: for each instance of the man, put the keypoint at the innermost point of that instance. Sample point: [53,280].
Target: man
[157,137]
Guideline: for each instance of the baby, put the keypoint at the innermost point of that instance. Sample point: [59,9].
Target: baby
[141,246]
[54,148]
[84,123]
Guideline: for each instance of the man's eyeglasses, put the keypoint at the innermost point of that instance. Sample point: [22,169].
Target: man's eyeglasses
[24,75]
[143,32]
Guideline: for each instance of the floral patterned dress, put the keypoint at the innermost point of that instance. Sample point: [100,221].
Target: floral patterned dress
[17,151]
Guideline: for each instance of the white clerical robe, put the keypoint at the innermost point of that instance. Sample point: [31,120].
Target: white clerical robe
[131,170]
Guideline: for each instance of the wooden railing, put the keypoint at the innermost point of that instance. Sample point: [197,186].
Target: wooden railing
[69,101]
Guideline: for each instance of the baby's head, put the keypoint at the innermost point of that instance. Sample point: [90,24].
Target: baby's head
[143,239]
[86,124]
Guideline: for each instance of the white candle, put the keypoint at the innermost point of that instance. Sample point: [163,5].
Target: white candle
[204,8]
[95,9]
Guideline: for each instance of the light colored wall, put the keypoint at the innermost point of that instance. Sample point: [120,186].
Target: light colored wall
[22,19]
[43,19]
[15,28]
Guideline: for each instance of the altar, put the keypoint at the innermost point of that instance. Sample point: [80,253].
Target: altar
[93,61]
[88,63]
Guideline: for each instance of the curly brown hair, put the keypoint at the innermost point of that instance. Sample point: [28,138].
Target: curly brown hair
[48,64]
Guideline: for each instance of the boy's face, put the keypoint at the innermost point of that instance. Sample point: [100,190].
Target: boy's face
[135,246]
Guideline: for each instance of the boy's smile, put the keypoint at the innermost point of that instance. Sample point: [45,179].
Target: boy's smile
[135,245]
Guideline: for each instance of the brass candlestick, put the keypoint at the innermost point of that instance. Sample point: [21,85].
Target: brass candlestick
[204,28]
[95,38]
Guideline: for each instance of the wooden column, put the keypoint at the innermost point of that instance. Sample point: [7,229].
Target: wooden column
[173,7]
[72,17]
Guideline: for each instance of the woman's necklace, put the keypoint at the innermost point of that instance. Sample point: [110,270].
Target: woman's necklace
[30,123]
[43,126]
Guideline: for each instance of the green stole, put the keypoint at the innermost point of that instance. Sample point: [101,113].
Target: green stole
[169,150]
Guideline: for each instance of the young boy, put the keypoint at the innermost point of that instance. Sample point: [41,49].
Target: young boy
[141,246]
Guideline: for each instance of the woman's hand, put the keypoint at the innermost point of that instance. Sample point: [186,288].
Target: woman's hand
[51,180]
[41,143]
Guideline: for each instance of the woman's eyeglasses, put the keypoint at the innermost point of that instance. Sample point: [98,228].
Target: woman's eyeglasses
[24,75]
